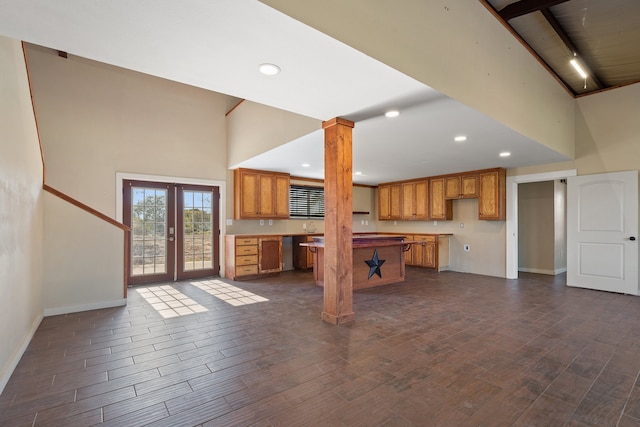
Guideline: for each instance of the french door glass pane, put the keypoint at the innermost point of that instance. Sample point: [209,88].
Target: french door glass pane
[198,225]
[148,229]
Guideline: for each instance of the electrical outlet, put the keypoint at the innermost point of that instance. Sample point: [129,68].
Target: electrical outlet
[304,225]
[462,225]
[270,222]
[262,222]
[435,222]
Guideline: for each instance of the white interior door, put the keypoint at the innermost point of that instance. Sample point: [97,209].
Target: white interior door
[602,232]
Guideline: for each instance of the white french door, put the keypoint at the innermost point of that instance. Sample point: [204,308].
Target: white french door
[174,231]
[602,232]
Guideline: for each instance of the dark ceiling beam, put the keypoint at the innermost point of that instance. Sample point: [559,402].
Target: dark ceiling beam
[571,46]
[523,7]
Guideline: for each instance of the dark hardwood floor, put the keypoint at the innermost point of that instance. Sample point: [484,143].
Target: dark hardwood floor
[441,349]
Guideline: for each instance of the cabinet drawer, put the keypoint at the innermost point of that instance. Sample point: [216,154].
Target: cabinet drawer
[429,239]
[246,270]
[246,241]
[247,260]
[247,250]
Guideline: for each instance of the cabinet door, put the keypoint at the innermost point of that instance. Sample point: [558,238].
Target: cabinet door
[282,196]
[452,187]
[415,201]
[424,254]
[269,254]
[266,195]
[408,254]
[439,208]
[469,188]
[395,201]
[408,200]
[430,255]
[492,200]
[302,255]
[422,199]
[246,194]
[384,202]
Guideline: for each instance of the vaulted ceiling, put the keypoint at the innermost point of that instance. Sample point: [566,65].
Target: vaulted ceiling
[603,36]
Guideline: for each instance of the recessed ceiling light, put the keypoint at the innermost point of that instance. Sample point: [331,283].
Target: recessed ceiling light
[505,154]
[392,113]
[269,69]
[460,138]
[306,165]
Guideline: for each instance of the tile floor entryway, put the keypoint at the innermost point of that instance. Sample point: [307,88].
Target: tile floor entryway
[441,349]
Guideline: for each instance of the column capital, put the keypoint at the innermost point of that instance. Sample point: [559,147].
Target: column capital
[337,121]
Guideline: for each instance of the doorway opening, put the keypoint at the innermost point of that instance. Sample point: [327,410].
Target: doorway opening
[542,231]
[512,224]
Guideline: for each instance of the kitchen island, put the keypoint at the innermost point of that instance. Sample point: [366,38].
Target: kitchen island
[377,259]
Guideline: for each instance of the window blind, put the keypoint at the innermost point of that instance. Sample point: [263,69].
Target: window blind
[306,202]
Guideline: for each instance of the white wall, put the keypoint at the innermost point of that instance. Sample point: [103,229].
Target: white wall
[96,120]
[254,128]
[83,259]
[536,227]
[21,211]
[458,48]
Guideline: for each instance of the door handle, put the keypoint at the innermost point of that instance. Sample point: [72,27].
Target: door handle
[632,238]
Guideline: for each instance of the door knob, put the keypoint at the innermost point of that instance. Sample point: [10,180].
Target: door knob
[632,238]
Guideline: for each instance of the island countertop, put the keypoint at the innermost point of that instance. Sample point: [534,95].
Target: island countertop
[365,240]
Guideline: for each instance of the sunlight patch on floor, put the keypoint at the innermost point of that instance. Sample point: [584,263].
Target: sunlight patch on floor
[169,302]
[228,293]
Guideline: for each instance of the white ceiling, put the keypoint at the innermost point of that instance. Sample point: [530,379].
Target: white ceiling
[218,45]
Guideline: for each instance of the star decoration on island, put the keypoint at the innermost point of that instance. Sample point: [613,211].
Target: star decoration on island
[375,264]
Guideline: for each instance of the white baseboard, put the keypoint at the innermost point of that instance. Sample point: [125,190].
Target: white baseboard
[541,271]
[11,365]
[84,307]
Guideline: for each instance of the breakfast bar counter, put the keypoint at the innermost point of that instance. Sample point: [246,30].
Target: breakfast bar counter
[377,259]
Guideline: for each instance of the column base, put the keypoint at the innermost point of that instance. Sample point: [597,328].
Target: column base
[338,320]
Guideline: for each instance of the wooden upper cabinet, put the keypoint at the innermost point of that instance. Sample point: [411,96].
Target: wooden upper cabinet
[439,207]
[463,186]
[384,202]
[492,201]
[245,194]
[260,194]
[389,201]
[282,196]
[415,200]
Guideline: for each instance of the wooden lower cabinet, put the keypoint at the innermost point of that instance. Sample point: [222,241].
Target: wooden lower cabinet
[424,253]
[302,255]
[248,257]
[432,251]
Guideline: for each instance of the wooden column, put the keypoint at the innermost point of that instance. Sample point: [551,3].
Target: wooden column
[338,229]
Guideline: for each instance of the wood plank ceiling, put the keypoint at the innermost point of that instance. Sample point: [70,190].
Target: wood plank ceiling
[603,36]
